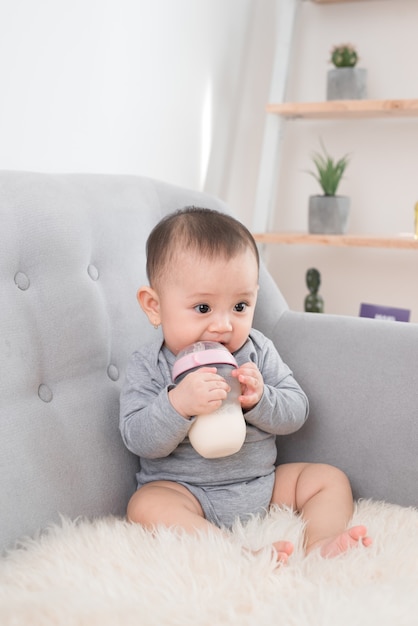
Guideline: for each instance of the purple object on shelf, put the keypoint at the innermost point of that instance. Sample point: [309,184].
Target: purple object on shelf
[379,312]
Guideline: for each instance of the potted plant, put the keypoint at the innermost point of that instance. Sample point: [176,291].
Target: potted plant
[346,81]
[328,213]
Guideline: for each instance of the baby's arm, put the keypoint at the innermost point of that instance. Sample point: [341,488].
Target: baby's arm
[272,399]
[282,409]
[149,424]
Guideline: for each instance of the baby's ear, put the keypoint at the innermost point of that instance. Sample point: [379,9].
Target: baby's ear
[150,304]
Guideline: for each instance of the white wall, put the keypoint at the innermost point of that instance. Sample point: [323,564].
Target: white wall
[176,90]
[382,179]
[151,87]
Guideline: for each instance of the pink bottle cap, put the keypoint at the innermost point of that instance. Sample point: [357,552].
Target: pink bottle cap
[215,353]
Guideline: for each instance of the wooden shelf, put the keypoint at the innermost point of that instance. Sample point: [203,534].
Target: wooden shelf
[346,109]
[404,242]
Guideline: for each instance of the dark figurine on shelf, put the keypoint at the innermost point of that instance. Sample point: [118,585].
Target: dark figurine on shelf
[313,301]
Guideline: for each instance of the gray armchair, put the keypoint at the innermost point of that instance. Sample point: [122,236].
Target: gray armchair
[72,255]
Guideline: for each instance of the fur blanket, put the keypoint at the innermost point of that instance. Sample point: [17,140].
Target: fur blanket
[108,572]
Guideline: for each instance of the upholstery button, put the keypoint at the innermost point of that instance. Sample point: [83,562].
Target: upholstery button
[45,393]
[22,281]
[113,372]
[93,272]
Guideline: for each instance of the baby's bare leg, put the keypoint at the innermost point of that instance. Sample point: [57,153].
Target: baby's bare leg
[322,495]
[168,504]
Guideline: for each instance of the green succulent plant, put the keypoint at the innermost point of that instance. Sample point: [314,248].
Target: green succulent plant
[344,55]
[329,171]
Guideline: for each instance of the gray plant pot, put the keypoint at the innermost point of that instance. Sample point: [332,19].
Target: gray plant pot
[347,83]
[328,215]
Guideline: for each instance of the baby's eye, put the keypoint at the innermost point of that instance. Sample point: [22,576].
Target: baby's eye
[240,307]
[202,308]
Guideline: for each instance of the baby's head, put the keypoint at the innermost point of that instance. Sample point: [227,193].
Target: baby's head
[202,267]
[203,232]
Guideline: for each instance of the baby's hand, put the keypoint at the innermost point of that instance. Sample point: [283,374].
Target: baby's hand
[199,393]
[252,384]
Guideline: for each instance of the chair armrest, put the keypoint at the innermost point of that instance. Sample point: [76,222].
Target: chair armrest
[361,378]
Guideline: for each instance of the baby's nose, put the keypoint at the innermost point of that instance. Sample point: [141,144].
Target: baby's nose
[221,323]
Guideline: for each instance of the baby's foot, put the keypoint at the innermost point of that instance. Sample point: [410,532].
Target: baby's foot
[345,541]
[282,549]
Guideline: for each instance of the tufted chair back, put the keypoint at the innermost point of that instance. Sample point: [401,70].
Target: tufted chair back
[72,256]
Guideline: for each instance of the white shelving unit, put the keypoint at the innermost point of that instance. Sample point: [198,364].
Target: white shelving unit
[282,111]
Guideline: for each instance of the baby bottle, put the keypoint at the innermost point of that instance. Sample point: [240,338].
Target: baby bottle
[222,432]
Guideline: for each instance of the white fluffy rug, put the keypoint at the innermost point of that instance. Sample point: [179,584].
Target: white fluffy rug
[111,573]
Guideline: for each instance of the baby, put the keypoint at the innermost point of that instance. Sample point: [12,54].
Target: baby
[202,267]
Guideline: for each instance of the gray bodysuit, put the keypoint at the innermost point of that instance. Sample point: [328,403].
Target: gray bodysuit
[239,485]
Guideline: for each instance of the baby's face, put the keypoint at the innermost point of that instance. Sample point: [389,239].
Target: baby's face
[208,300]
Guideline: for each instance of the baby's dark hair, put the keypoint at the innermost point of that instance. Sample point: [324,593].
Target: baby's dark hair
[195,229]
